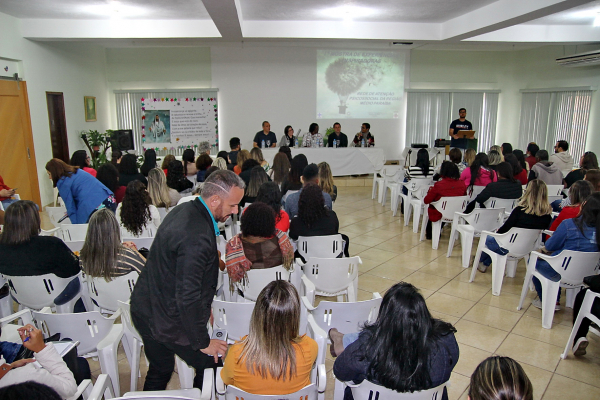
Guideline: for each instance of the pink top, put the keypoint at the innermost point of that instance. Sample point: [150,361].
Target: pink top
[485,177]
[90,171]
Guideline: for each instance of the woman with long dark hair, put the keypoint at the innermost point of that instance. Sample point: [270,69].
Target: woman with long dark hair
[422,167]
[128,170]
[519,173]
[176,178]
[281,168]
[81,159]
[149,162]
[273,358]
[520,158]
[506,187]
[82,193]
[270,194]
[189,163]
[405,349]
[293,182]
[136,212]
[115,157]
[479,173]
[108,175]
[257,178]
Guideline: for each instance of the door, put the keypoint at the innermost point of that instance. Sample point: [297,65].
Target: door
[58,126]
[17,156]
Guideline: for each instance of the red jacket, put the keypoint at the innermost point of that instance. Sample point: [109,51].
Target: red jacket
[566,213]
[446,187]
[522,177]
[3,186]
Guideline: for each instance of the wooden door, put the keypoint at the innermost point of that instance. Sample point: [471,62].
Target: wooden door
[58,126]
[17,156]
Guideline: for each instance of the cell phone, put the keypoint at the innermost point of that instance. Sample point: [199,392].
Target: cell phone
[220,334]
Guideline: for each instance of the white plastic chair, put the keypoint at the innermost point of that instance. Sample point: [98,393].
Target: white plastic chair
[9,330]
[507,204]
[94,332]
[37,292]
[141,242]
[572,266]
[6,303]
[474,192]
[378,180]
[56,214]
[15,197]
[447,206]
[75,245]
[471,225]
[149,231]
[584,312]
[412,186]
[518,241]
[320,246]
[72,232]
[334,276]
[162,211]
[555,190]
[108,295]
[392,179]
[233,317]
[552,199]
[368,390]
[417,207]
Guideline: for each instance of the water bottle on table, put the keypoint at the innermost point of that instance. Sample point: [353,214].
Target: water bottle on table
[263,144]
[334,143]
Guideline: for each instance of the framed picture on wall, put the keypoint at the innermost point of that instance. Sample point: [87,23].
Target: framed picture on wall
[89,104]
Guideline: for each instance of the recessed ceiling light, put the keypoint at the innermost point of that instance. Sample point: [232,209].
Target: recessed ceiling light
[348,13]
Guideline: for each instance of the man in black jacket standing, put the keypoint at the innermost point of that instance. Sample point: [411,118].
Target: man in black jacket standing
[171,302]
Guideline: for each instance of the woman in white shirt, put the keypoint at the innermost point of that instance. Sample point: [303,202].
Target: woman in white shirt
[136,214]
[313,138]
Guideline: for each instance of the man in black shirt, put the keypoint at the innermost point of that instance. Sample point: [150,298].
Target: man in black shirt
[265,135]
[341,140]
[460,124]
[235,146]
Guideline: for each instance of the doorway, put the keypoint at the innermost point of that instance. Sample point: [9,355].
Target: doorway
[58,125]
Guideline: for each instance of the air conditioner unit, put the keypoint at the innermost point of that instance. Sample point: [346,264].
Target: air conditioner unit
[580,60]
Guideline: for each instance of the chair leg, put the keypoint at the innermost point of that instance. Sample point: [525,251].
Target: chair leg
[408,211]
[527,281]
[498,269]
[453,234]
[585,309]
[6,306]
[109,365]
[380,191]
[374,187]
[338,390]
[549,293]
[186,374]
[436,232]
[423,226]
[416,217]
[571,293]
[135,364]
[384,195]
[480,248]
[466,245]
[511,267]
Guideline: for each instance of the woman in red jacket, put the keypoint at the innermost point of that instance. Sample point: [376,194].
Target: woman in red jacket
[449,185]
[578,194]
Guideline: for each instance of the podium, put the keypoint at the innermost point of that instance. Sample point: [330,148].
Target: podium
[468,138]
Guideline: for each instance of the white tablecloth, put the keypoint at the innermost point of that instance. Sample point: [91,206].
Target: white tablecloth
[343,161]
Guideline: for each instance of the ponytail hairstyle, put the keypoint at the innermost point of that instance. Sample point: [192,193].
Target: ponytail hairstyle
[481,161]
[188,157]
[590,216]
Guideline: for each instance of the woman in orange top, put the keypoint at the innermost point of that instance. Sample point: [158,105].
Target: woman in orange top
[272,359]
[243,156]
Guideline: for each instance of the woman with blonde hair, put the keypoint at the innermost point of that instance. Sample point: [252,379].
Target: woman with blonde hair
[220,163]
[326,180]
[499,377]
[256,154]
[242,157]
[497,149]
[532,212]
[469,157]
[103,255]
[160,194]
[281,168]
[273,359]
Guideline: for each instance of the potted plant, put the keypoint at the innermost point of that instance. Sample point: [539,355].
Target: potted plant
[328,132]
[97,144]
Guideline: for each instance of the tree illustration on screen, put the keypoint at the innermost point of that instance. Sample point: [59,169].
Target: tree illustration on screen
[346,76]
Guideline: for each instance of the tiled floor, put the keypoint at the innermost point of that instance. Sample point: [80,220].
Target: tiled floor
[486,324]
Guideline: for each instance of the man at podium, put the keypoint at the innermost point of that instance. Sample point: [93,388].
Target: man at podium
[460,124]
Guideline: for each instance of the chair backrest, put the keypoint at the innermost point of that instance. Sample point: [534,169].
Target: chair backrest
[306,393]
[519,241]
[126,319]
[473,191]
[450,205]
[233,317]
[76,245]
[507,204]
[107,295]
[332,275]
[162,211]
[320,246]
[553,198]
[573,266]
[149,231]
[259,278]
[72,232]
[370,391]
[37,292]
[346,316]
[416,184]
[141,242]
[89,328]
[555,190]
[55,214]
[488,219]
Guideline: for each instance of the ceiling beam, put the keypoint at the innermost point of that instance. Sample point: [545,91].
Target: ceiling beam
[227,16]
[502,14]
[542,34]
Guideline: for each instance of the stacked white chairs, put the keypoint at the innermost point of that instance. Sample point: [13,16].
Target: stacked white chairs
[393,177]
[447,206]
[233,317]
[94,332]
[14,197]
[56,214]
[584,312]
[320,246]
[468,226]
[37,292]
[107,296]
[334,276]
[417,206]
[414,185]
[518,241]
[369,391]
[572,266]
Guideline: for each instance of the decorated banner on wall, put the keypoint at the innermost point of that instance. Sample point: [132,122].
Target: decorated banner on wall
[179,123]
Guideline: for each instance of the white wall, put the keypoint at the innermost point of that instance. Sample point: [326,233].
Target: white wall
[76,69]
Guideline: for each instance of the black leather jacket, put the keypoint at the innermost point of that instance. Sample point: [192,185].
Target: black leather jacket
[173,295]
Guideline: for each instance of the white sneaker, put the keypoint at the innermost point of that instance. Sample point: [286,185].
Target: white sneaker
[482,267]
[580,345]
[538,303]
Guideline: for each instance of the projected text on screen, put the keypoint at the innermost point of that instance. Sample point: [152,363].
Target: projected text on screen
[359,84]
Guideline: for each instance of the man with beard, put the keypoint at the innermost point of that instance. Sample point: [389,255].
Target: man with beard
[171,302]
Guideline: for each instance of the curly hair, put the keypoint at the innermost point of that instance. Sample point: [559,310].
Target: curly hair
[270,194]
[258,220]
[135,210]
[311,205]
[175,178]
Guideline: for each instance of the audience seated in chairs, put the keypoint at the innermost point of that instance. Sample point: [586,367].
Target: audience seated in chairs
[189,163]
[577,234]
[532,212]
[81,193]
[287,151]
[578,194]
[506,187]
[108,175]
[103,255]
[149,162]
[203,162]
[314,219]
[176,178]
[545,170]
[405,349]
[281,168]
[81,159]
[469,158]
[273,358]
[260,245]
[160,194]
[519,173]
[128,170]
[494,158]
[242,157]
[309,175]
[479,173]
[456,157]
[587,162]
[422,167]
[293,181]
[258,176]
[270,194]
[449,185]
[136,212]
[500,377]
[326,180]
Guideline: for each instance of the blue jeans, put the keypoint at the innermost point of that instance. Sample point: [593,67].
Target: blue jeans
[349,338]
[491,244]
[548,272]
[8,202]
[556,205]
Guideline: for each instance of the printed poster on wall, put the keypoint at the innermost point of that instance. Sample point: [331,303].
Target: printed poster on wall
[179,123]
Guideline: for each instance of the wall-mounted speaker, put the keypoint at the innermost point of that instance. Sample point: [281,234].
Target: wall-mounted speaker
[123,139]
